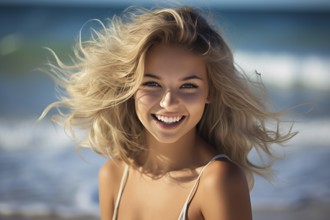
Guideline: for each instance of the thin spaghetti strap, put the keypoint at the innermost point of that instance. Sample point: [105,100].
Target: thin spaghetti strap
[120,192]
[183,213]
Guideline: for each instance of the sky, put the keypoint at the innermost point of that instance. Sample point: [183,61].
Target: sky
[235,4]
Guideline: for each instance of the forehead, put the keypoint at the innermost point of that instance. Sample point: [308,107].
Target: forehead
[170,59]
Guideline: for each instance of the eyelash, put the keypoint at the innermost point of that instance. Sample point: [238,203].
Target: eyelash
[184,86]
[151,84]
[189,86]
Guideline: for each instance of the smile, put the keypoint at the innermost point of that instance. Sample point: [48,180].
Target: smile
[167,119]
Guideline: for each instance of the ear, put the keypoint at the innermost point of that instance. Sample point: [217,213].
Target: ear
[210,96]
[208,99]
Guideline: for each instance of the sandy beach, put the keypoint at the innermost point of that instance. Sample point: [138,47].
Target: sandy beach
[306,211]
[49,217]
[309,210]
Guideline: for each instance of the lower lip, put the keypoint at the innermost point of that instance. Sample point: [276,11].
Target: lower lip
[169,126]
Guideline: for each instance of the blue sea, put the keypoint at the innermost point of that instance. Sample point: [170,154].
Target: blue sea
[41,171]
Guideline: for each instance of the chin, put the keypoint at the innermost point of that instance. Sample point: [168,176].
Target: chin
[164,140]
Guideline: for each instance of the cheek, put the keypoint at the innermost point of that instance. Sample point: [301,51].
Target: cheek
[198,99]
[195,103]
[145,100]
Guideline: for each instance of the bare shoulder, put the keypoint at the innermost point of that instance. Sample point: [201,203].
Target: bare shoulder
[111,170]
[223,173]
[224,185]
[110,175]
[109,180]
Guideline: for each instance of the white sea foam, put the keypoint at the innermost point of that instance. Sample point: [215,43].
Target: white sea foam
[28,134]
[285,70]
[314,132]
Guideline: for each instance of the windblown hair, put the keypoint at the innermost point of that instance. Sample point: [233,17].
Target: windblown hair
[109,69]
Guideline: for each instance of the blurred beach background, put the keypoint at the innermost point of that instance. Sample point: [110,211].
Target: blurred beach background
[43,177]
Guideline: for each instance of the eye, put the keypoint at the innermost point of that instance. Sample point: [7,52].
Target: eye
[151,84]
[189,86]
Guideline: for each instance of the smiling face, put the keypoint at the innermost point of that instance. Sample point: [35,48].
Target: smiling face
[171,99]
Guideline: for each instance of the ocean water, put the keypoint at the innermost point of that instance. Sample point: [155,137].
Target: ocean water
[41,171]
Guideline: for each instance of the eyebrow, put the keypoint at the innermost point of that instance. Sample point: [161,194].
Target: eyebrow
[183,79]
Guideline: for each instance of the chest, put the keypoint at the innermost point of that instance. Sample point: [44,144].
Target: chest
[162,198]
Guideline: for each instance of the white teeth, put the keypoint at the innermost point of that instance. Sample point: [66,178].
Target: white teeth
[168,120]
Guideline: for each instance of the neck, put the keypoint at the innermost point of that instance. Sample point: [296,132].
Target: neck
[161,158]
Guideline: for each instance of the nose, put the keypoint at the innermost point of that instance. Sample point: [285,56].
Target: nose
[169,100]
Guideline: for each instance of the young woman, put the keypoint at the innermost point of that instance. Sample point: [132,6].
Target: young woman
[158,92]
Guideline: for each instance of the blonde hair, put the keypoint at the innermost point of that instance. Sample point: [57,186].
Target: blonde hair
[109,68]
